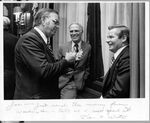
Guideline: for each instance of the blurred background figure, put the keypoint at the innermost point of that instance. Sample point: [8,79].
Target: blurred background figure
[10,41]
[26,18]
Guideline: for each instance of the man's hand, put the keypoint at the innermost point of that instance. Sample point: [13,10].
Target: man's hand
[70,56]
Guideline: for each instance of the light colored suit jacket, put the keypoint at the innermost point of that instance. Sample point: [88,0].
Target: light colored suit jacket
[80,71]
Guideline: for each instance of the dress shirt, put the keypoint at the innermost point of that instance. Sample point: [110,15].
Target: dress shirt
[41,34]
[118,52]
[79,46]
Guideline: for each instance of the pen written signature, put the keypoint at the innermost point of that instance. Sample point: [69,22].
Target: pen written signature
[95,110]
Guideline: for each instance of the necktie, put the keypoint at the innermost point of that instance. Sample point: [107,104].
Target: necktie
[50,48]
[76,46]
[112,61]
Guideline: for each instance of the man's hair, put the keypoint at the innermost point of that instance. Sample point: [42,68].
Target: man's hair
[42,13]
[81,27]
[124,31]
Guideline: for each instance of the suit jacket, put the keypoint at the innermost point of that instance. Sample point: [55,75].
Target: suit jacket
[117,79]
[81,68]
[36,70]
[10,41]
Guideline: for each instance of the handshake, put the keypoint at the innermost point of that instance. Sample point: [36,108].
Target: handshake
[73,56]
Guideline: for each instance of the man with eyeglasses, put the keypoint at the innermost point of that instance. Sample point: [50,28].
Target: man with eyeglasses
[37,71]
[73,81]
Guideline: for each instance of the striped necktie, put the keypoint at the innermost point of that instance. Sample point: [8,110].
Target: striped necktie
[112,61]
[50,48]
[76,46]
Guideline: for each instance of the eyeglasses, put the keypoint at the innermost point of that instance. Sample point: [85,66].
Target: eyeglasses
[77,31]
[56,22]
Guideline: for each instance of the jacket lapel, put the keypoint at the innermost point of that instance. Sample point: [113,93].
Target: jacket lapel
[83,49]
[69,46]
[82,45]
[39,36]
[116,61]
[112,69]
[44,44]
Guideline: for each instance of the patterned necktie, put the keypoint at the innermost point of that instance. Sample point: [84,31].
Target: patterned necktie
[112,61]
[76,46]
[50,48]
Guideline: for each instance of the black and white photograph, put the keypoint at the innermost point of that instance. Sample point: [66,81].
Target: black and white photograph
[74,60]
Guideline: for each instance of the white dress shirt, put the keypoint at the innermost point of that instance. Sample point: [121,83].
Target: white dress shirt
[79,44]
[41,34]
[118,52]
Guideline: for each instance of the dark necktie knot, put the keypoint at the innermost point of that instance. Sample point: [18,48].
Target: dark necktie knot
[76,46]
[50,48]
[49,44]
[48,41]
[112,60]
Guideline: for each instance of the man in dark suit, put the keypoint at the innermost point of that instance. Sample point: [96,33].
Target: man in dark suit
[37,71]
[117,80]
[73,81]
[10,41]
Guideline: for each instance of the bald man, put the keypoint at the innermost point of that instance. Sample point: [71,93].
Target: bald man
[74,80]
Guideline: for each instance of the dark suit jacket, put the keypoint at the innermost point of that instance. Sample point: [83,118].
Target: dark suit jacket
[10,41]
[117,79]
[36,70]
[81,68]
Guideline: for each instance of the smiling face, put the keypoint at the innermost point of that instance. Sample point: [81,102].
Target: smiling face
[75,33]
[50,24]
[113,40]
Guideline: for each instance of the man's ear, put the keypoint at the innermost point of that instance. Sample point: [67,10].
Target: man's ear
[43,21]
[124,38]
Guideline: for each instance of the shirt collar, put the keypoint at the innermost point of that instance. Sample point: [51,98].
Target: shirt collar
[41,34]
[119,51]
[79,44]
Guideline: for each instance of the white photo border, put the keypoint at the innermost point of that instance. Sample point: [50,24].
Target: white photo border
[75,110]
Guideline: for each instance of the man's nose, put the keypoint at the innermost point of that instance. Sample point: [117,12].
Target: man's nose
[57,26]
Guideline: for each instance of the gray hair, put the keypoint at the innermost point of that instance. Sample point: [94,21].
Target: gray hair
[42,13]
[81,27]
